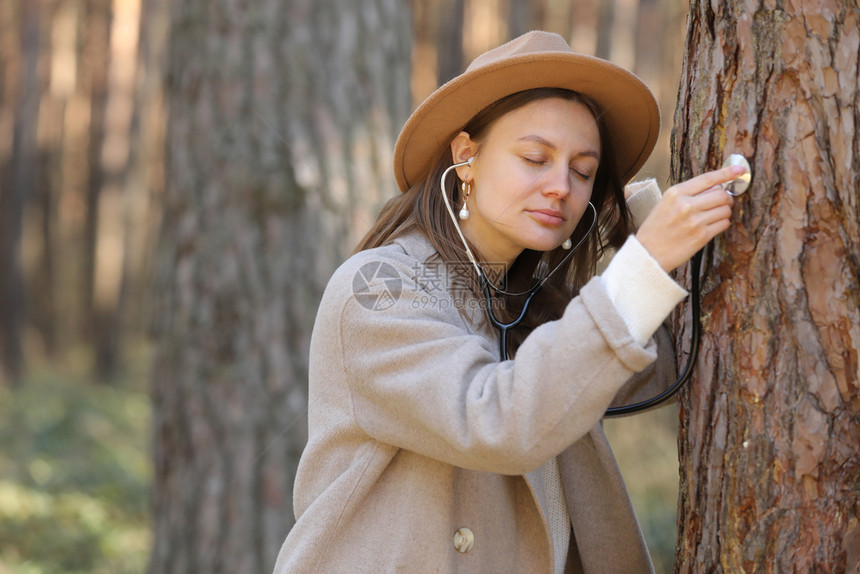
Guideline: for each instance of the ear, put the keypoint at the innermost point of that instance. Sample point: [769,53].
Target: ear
[462,148]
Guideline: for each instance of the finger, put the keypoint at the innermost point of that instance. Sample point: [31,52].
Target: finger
[708,180]
[716,214]
[708,226]
[713,197]
[716,227]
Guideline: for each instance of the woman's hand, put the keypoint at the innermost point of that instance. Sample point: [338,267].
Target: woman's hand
[690,214]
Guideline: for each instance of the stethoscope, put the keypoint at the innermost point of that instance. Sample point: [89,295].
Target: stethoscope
[736,187]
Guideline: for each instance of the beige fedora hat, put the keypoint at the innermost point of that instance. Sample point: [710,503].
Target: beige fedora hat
[534,60]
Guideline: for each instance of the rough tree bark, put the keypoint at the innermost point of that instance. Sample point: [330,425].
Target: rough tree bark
[282,117]
[770,428]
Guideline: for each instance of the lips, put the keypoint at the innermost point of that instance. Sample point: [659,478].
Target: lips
[548,216]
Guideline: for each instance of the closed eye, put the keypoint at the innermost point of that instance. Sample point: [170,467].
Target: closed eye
[581,175]
[584,175]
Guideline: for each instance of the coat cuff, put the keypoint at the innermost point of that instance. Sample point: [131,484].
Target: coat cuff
[644,195]
[642,292]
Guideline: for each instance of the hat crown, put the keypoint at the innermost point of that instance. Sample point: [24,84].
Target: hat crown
[534,42]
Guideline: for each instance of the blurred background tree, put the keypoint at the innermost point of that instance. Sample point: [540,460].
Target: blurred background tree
[80,157]
[281,121]
[177,182]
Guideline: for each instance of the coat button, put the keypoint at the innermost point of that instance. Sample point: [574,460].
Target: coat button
[464,539]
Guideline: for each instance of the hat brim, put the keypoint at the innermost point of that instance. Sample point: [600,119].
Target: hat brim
[628,108]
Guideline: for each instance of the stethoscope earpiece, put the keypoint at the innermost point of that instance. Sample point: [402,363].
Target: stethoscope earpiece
[741,183]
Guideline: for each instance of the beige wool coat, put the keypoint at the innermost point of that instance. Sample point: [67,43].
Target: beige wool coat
[420,439]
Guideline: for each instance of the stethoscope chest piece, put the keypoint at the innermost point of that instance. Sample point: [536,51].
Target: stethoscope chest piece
[740,184]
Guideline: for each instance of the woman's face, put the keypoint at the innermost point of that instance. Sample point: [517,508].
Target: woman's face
[531,178]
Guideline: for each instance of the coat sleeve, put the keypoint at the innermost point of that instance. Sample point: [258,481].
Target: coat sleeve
[656,377]
[421,379]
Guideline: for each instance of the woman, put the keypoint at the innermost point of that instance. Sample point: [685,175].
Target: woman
[429,453]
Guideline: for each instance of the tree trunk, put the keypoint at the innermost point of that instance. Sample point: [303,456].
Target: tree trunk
[18,184]
[42,288]
[119,219]
[282,117]
[98,323]
[450,39]
[648,46]
[555,16]
[605,21]
[770,427]
[584,23]
[521,17]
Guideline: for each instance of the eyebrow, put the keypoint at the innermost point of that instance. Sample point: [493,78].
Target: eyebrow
[546,143]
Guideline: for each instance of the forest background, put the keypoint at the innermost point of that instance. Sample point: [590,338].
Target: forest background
[82,158]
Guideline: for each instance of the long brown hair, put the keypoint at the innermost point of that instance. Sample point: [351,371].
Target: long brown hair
[421,207]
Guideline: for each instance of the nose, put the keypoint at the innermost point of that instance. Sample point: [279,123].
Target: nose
[557,181]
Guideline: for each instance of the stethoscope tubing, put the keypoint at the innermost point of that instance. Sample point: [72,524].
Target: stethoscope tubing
[695,337]
[503,328]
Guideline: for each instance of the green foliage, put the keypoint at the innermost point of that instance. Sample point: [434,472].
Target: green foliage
[74,478]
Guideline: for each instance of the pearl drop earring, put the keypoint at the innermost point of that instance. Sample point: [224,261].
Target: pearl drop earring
[567,244]
[466,189]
